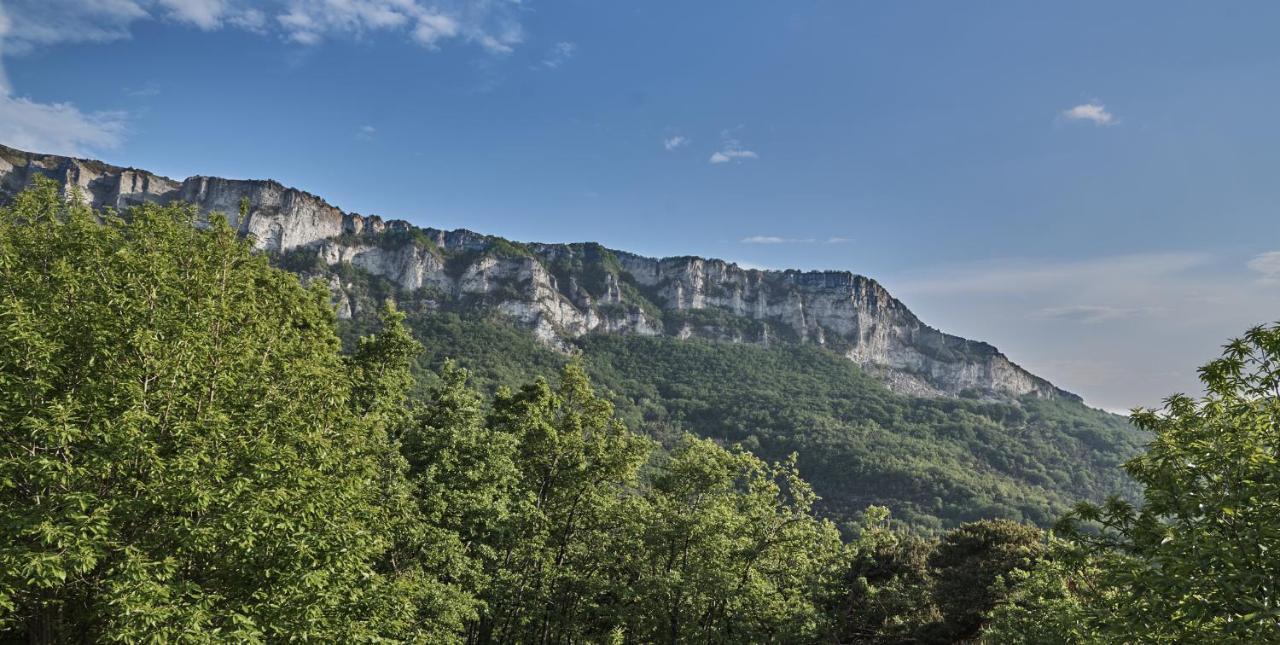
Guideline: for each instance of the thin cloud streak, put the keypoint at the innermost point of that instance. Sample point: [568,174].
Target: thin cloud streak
[1023,275]
[558,55]
[1136,326]
[775,239]
[1267,266]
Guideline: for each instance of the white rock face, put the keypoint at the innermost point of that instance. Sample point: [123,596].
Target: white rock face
[848,313]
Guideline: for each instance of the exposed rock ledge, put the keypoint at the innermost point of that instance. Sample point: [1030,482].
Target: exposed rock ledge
[562,291]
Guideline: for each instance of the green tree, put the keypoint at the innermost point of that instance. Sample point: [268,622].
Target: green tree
[730,552]
[1204,545]
[969,566]
[889,587]
[182,452]
[465,478]
[1056,601]
[577,462]
[434,583]
[1197,562]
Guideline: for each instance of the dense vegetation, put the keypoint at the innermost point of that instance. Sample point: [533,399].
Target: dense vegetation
[188,454]
[936,463]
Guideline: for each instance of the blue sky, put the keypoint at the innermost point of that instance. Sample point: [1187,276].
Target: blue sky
[1089,186]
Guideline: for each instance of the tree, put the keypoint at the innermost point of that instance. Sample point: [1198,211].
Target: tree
[577,464]
[889,587]
[465,479]
[970,563]
[1197,562]
[729,551]
[1056,601]
[183,454]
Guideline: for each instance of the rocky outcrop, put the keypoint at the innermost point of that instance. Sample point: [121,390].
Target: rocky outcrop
[563,291]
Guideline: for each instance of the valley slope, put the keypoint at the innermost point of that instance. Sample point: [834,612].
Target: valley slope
[880,407]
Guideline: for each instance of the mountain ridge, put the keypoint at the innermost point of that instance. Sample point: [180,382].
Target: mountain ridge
[565,291]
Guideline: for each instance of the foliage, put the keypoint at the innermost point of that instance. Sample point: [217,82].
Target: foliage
[185,455]
[889,589]
[729,552]
[1194,563]
[935,462]
[968,563]
[1057,601]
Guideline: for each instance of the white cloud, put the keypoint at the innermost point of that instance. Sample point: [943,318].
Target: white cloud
[252,20]
[778,239]
[366,132]
[434,27]
[731,149]
[1093,112]
[731,154]
[35,23]
[675,142]
[1267,266]
[491,24]
[205,14]
[58,128]
[559,54]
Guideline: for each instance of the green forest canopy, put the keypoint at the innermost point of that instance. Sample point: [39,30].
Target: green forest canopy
[187,454]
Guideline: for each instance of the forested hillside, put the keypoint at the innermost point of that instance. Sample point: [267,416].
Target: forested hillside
[934,461]
[189,452]
[878,406]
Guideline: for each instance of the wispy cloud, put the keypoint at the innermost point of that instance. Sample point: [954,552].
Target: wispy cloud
[366,132]
[731,149]
[1093,112]
[1012,276]
[1267,266]
[205,14]
[59,128]
[491,24]
[675,142]
[1151,318]
[28,24]
[1093,313]
[558,55]
[727,155]
[149,89]
[777,239]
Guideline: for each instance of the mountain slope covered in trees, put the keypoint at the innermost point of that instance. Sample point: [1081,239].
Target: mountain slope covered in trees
[935,461]
[189,453]
[879,407]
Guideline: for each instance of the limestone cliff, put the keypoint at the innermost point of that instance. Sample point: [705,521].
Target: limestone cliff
[563,291]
